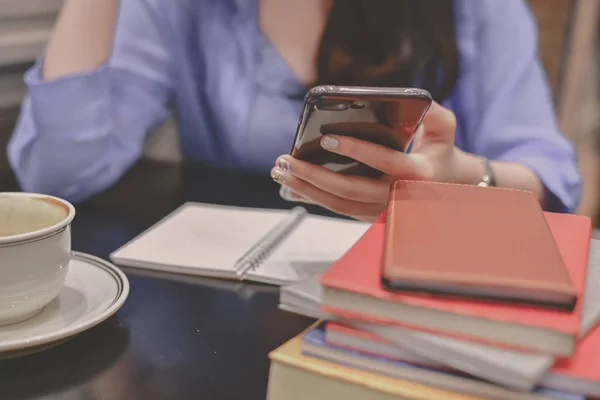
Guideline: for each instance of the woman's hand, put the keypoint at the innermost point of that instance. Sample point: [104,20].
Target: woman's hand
[434,157]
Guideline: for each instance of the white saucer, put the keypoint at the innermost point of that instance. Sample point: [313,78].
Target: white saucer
[94,290]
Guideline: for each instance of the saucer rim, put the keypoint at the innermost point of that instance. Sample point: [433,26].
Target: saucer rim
[70,331]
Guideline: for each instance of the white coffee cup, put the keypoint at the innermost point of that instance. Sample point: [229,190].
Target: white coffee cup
[35,249]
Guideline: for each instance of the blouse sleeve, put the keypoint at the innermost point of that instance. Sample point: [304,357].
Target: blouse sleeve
[504,105]
[77,134]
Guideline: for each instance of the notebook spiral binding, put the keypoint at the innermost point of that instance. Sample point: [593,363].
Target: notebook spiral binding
[254,257]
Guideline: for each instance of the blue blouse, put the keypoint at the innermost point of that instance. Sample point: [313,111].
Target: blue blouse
[237,104]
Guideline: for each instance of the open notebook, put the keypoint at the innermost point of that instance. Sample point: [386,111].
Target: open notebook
[282,246]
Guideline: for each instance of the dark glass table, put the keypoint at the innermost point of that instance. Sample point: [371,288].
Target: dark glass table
[176,337]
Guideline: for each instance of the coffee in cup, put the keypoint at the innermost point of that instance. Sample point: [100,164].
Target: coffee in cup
[35,250]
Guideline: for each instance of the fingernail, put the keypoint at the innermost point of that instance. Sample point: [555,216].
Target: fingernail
[286,193]
[289,195]
[278,176]
[329,142]
[284,164]
[293,196]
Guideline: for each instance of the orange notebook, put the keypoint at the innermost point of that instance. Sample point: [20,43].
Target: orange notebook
[474,242]
[352,289]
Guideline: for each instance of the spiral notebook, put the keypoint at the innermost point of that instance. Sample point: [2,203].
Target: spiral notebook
[263,245]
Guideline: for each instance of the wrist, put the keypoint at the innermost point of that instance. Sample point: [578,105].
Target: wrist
[468,169]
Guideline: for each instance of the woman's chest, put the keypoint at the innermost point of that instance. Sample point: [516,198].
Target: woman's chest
[238,102]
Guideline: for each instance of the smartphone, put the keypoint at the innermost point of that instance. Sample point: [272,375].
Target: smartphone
[386,116]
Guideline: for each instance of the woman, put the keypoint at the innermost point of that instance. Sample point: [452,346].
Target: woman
[237,71]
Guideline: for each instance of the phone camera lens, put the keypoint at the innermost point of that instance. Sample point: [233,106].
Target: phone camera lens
[331,106]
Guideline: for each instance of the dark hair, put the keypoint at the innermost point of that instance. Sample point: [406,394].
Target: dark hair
[390,43]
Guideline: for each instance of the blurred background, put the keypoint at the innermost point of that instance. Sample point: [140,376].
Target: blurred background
[569,46]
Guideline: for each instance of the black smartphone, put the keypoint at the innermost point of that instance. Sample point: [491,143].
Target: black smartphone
[386,116]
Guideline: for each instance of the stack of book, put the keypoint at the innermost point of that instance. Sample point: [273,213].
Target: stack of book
[454,292]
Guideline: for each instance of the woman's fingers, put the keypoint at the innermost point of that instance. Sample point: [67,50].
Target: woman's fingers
[313,194]
[361,197]
[356,188]
[439,123]
[389,161]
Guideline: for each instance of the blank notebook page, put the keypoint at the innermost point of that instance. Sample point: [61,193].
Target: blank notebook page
[205,239]
[311,248]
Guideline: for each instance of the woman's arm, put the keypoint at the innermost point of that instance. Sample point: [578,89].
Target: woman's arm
[504,105]
[92,98]
[82,37]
